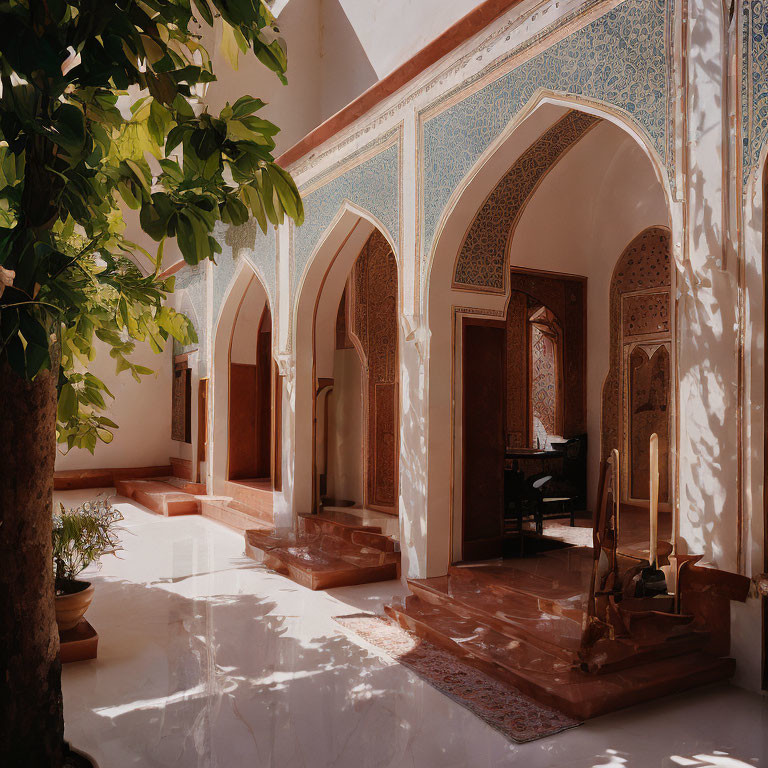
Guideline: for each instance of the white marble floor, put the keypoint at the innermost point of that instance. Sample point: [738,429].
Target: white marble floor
[205,659]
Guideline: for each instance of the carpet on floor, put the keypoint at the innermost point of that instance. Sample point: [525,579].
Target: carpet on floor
[501,706]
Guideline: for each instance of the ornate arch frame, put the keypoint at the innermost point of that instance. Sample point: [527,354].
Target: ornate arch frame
[443,431]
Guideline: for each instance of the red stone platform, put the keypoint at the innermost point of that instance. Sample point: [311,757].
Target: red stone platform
[331,550]
[521,621]
[167,496]
[79,643]
[233,513]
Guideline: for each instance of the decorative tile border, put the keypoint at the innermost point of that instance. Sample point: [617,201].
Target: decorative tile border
[480,262]
[369,178]
[754,84]
[620,58]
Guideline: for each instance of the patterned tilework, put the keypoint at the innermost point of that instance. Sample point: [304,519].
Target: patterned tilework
[619,58]
[246,242]
[480,263]
[754,84]
[373,184]
[191,285]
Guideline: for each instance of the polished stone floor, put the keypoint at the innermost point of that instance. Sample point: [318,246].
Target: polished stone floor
[207,660]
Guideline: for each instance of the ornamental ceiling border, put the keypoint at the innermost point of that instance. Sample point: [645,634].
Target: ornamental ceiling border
[370,178]
[754,91]
[479,51]
[511,81]
[481,262]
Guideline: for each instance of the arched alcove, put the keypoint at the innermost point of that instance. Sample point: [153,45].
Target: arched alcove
[342,368]
[243,433]
[600,186]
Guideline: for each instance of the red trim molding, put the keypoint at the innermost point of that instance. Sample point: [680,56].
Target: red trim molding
[458,33]
[73,479]
[454,36]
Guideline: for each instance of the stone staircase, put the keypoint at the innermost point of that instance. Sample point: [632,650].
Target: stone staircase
[167,496]
[248,506]
[331,549]
[521,621]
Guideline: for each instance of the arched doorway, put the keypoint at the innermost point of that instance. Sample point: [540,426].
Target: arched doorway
[347,372]
[357,405]
[250,390]
[245,442]
[553,205]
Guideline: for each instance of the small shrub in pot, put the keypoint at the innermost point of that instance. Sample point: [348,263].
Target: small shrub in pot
[81,535]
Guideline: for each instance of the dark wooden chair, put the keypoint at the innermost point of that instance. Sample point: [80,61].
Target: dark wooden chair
[519,503]
[553,499]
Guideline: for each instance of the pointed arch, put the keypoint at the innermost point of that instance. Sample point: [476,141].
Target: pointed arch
[318,293]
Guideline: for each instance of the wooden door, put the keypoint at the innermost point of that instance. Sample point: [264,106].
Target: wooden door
[202,425]
[242,421]
[264,397]
[483,438]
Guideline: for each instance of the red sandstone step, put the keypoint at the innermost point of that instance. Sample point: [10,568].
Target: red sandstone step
[319,561]
[364,535]
[509,613]
[232,513]
[548,678]
[159,496]
[187,486]
[256,495]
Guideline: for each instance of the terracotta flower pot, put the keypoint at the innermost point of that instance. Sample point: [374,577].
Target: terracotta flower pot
[73,603]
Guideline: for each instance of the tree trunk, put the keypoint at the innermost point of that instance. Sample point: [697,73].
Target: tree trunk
[31,720]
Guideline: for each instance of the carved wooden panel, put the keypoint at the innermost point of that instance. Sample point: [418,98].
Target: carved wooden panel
[563,296]
[342,338]
[384,444]
[242,421]
[181,406]
[517,371]
[264,396]
[649,399]
[645,313]
[483,437]
[373,324]
[637,393]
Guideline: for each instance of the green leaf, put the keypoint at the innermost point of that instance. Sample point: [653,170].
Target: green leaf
[246,105]
[205,11]
[67,407]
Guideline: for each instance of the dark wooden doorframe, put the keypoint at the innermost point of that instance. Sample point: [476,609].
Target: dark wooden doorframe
[483,445]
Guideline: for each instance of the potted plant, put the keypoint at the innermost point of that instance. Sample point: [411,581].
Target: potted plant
[81,535]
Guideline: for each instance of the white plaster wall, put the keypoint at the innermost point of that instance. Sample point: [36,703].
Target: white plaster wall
[142,411]
[585,212]
[244,336]
[392,31]
[295,108]
[345,68]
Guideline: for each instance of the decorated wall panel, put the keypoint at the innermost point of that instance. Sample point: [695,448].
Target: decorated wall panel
[544,383]
[250,244]
[754,83]
[564,297]
[480,263]
[373,311]
[637,393]
[619,58]
[370,179]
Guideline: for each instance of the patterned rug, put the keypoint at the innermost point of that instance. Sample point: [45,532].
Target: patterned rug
[501,706]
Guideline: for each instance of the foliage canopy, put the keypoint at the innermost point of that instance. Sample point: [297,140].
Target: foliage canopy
[102,109]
